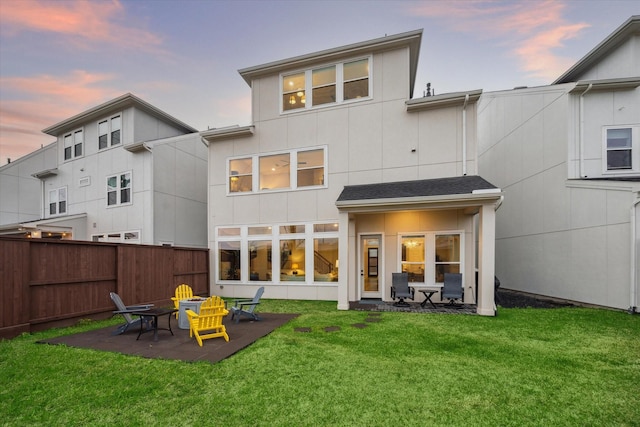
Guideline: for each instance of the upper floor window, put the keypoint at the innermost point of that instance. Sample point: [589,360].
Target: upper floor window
[58,201]
[109,132]
[621,148]
[275,171]
[331,84]
[73,144]
[119,189]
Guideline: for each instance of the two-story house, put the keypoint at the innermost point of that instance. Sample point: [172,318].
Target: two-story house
[343,179]
[123,171]
[567,156]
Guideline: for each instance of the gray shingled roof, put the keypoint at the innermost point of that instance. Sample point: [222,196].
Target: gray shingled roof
[420,188]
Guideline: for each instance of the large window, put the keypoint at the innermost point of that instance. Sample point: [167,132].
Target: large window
[619,148]
[73,144]
[413,257]
[109,132]
[447,255]
[58,201]
[295,254]
[335,83]
[119,189]
[118,237]
[240,175]
[275,171]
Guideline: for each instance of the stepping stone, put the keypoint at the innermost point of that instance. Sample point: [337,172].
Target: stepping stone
[374,314]
[372,319]
[332,328]
[360,325]
[304,329]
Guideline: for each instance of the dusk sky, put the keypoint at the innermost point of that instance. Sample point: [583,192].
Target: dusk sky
[60,58]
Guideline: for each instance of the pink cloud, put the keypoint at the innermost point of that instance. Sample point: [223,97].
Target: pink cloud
[530,30]
[80,21]
[44,101]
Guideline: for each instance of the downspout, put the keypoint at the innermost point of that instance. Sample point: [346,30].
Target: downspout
[581,113]
[634,259]
[464,135]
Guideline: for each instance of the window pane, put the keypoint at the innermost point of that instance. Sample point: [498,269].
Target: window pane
[77,150]
[112,198]
[324,95]
[293,91]
[309,177]
[102,142]
[448,248]
[115,137]
[356,70]
[324,76]
[324,228]
[619,159]
[356,89]
[325,260]
[52,208]
[63,207]
[125,195]
[239,184]
[292,260]
[260,260]
[229,260]
[125,180]
[115,123]
[253,231]
[445,268]
[67,153]
[413,257]
[112,183]
[103,130]
[240,166]
[619,138]
[310,158]
[229,231]
[291,229]
[274,171]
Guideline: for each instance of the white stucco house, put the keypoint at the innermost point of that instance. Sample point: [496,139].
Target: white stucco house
[567,156]
[342,179]
[123,171]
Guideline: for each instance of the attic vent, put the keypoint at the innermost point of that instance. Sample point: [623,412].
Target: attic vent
[83,182]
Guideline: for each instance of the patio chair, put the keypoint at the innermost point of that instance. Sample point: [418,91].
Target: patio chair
[209,322]
[452,288]
[183,291]
[125,311]
[246,307]
[400,289]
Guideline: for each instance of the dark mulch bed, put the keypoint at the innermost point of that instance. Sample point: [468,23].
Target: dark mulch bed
[514,299]
[178,346]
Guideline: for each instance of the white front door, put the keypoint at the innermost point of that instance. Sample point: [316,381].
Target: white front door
[371,275]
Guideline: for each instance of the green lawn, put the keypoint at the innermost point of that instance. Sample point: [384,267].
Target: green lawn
[525,367]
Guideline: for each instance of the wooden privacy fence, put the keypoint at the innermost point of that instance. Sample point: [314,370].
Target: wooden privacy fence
[47,283]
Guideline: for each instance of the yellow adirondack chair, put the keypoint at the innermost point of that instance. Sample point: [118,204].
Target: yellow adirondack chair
[183,291]
[209,323]
[212,305]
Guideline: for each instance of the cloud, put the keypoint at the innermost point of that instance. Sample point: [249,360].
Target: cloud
[532,31]
[82,23]
[42,101]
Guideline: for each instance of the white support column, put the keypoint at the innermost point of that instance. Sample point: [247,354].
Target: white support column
[345,267]
[486,260]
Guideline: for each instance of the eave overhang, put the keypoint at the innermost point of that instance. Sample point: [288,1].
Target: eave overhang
[451,201]
[125,101]
[45,173]
[220,134]
[443,100]
[412,39]
[607,84]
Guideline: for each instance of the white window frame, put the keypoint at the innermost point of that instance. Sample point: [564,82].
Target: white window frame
[293,172]
[60,198]
[339,83]
[110,130]
[70,142]
[635,151]
[430,253]
[240,234]
[118,189]
[130,236]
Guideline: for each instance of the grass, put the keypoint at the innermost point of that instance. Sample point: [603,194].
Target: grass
[525,367]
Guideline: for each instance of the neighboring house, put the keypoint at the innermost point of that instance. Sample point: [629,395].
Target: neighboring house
[123,171]
[567,156]
[343,179]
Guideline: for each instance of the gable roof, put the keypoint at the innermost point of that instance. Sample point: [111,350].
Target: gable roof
[411,39]
[419,190]
[622,33]
[115,105]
